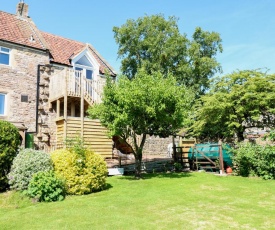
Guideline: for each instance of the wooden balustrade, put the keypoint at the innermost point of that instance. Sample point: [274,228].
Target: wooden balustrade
[72,82]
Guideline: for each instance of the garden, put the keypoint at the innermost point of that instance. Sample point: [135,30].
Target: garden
[76,179]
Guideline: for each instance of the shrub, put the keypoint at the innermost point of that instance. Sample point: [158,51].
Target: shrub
[83,170]
[9,143]
[45,186]
[25,165]
[255,160]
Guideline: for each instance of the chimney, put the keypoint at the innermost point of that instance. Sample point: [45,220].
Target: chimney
[22,9]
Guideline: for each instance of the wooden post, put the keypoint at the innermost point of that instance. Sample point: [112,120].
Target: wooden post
[58,108]
[196,152]
[119,162]
[82,101]
[73,109]
[221,157]
[66,105]
[174,149]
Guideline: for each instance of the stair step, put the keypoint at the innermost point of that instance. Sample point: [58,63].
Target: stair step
[207,167]
[203,162]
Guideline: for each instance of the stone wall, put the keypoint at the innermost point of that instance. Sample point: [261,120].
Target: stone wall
[46,133]
[160,165]
[155,145]
[20,79]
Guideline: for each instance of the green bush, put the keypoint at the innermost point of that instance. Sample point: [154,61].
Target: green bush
[255,160]
[83,170]
[25,165]
[45,186]
[9,143]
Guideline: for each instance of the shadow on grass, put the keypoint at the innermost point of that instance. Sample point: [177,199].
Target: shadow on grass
[145,176]
[108,186]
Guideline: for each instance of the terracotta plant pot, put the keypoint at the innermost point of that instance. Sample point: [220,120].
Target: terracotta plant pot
[228,170]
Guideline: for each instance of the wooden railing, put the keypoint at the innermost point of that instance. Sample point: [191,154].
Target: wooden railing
[74,83]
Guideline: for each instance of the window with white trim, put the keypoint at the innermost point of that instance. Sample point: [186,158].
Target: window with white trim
[4,56]
[84,64]
[3,100]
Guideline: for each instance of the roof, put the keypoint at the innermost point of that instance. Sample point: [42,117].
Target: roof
[63,49]
[21,30]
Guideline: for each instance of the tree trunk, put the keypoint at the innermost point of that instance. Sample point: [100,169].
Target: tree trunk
[138,154]
[138,161]
[240,136]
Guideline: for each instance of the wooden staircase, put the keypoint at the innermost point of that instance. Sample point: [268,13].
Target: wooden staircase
[71,92]
[121,145]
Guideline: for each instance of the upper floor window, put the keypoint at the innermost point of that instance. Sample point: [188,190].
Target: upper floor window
[4,56]
[85,65]
[2,104]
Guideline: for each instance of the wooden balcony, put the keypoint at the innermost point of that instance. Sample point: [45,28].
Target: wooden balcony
[73,83]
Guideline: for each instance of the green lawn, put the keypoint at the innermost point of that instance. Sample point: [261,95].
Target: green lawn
[160,201]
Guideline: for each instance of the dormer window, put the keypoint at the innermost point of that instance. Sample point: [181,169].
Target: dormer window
[86,66]
[86,62]
[4,56]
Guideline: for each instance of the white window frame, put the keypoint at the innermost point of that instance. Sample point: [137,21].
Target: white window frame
[91,59]
[9,53]
[84,67]
[5,104]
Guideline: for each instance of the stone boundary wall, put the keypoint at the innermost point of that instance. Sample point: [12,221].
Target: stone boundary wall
[150,166]
[157,146]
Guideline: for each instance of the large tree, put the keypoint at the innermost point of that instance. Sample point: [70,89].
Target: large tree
[243,99]
[147,104]
[156,44]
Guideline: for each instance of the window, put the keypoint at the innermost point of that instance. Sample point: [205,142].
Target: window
[89,73]
[4,56]
[2,104]
[85,64]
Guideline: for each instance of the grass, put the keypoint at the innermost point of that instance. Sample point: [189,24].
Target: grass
[159,201]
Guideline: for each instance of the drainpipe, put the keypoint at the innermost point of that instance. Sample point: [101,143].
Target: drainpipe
[37,97]
[37,100]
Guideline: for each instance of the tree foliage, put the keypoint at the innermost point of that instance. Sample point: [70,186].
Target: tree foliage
[243,99]
[147,104]
[156,44]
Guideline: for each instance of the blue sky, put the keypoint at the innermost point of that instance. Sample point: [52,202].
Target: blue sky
[247,27]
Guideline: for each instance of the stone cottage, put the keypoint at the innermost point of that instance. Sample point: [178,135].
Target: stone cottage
[47,83]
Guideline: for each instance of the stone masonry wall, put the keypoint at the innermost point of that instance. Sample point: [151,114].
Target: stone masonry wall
[46,135]
[157,145]
[20,78]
